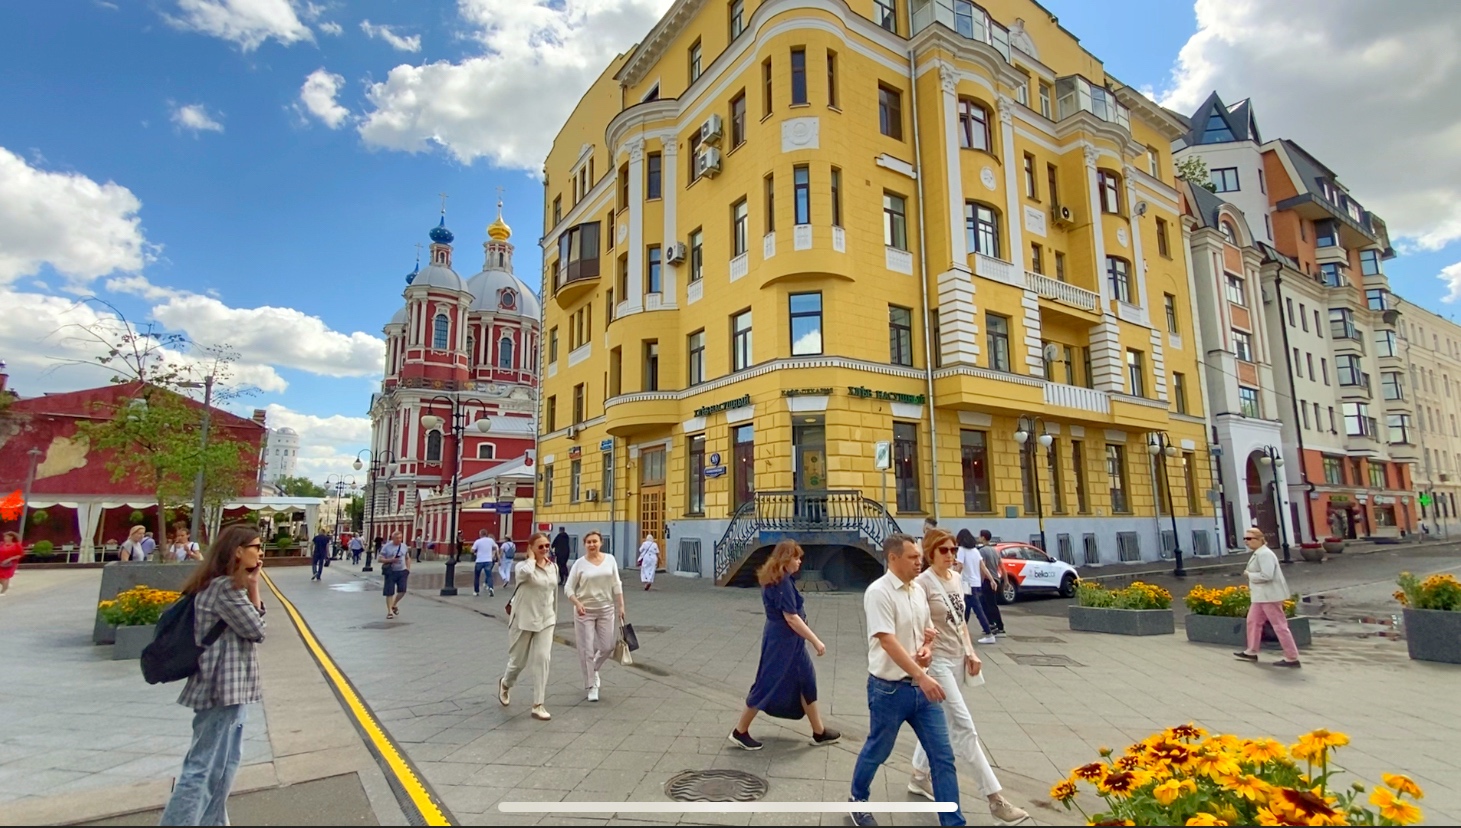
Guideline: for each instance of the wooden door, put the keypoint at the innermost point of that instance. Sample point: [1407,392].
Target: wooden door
[652,502]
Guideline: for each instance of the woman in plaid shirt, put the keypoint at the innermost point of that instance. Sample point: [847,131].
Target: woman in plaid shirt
[226,586]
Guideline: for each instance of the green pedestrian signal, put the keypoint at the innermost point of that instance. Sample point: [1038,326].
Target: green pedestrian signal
[1424,499]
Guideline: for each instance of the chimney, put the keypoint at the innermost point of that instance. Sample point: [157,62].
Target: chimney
[260,415]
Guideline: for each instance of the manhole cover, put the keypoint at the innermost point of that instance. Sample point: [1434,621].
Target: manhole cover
[715,786]
[1034,660]
[383,625]
[1036,639]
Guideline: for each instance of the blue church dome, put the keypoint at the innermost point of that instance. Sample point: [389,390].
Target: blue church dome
[411,277]
[440,234]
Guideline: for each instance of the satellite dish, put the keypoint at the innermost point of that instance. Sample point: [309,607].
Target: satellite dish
[1052,352]
[1141,208]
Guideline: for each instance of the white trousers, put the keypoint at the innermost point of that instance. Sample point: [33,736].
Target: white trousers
[596,631]
[962,736]
[530,649]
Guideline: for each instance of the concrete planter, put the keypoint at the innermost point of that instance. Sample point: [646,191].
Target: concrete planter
[1122,621]
[1313,554]
[1334,547]
[1233,632]
[119,576]
[131,641]
[1433,635]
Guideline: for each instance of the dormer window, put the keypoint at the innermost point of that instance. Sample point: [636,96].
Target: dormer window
[508,299]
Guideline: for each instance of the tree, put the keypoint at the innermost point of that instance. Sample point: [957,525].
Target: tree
[1194,170]
[357,513]
[299,487]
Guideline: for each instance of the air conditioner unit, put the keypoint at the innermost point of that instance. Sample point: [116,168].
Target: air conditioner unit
[591,495]
[675,253]
[711,130]
[573,432]
[707,163]
[1064,218]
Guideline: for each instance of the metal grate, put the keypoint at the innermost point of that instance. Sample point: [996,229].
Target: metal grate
[715,786]
[1037,542]
[1201,542]
[689,555]
[1065,549]
[1128,547]
[1091,548]
[1169,543]
[1042,660]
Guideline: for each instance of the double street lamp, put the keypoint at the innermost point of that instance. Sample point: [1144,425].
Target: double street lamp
[1273,458]
[1031,425]
[341,481]
[1159,446]
[382,465]
[458,424]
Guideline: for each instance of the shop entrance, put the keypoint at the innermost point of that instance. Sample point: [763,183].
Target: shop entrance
[809,450]
[652,500]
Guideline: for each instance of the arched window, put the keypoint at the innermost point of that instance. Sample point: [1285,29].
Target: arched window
[1229,232]
[440,332]
[974,126]
[486,451]
[981,228]
[433,446]
[504,352]
[471,350]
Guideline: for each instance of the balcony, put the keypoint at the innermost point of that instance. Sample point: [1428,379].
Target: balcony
[1355,383]
[629,414]
[1075,94]
[1062,292]
[577,269]
[965,18]
[1074,396]
[998,270]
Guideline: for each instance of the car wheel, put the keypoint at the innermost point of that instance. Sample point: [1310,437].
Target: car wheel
[1067,586]
[1009,593]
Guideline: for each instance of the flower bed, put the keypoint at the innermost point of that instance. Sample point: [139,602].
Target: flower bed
[1432,617]
[137,607]
[1218,616]
[1138,609]
[1183,776]
[1228,602]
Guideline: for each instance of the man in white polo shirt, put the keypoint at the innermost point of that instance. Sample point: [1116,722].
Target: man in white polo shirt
[484,549]
[898,690]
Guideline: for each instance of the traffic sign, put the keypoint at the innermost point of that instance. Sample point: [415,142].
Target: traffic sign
[883,455]
[606,444]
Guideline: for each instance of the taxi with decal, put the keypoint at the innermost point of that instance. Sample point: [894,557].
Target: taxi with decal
[1028,569]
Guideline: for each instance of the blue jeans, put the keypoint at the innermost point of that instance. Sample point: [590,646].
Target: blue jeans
[890,704]
[974,602]
[318,565]
[477,576]
[200,796]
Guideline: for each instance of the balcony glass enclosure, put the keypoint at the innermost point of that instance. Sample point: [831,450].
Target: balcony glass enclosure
[963,17]
[1076,94]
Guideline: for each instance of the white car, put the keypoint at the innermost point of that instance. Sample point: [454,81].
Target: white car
[1028,569]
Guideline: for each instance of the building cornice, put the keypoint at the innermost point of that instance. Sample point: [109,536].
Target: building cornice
[1155,116]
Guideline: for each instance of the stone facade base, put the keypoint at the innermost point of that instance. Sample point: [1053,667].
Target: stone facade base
[1122,621]
[1433,635]
[1233,632]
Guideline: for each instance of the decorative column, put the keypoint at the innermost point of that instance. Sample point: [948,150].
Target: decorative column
[958,244]
[1015,215]
[635,296]
[958,313]
[1105,340]
[669,166]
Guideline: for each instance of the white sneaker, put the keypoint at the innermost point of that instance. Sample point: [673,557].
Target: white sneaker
[597,683]
[475,593]
[490,593]
[988,639]
[921,785]
[1001,809]
[593,694]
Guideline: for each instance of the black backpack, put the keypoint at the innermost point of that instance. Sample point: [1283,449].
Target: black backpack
[173,654]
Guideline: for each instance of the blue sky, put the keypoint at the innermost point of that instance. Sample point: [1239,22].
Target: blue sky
[210,164]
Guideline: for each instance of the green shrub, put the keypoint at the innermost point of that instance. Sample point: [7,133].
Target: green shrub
[1138,595]
[43,549]
[39,517]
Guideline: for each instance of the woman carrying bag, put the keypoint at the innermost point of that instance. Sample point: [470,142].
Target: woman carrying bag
[597,595]
[533,610]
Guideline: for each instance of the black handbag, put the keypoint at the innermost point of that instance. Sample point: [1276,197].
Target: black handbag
[626,634]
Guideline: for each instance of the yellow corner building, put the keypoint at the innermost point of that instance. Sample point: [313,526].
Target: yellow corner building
[822,271]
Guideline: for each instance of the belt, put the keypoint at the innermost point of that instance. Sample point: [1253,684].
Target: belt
[905,680]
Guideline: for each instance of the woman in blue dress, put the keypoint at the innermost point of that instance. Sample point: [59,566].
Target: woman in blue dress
[786,684]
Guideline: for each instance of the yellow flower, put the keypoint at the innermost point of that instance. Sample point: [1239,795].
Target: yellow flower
[1167,792]
[1306,806]
[1215,765]
[1064,791]
[1329,739]
[1204,818]
[1189,732]
[1402,784]
[1248,787]
[1393,808]
[1093,772]
[1263,750]
[1309,751]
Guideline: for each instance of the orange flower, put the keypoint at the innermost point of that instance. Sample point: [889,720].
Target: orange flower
[1393,808]
[1402,784]
[1305,804]
[1123,783]
[1064,791]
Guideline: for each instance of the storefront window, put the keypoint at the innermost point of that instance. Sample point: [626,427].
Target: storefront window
[745,464]
[695,491]
[905,466]
[974,455]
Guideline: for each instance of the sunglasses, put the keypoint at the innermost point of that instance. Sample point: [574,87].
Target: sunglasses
[948,550]
[254,545]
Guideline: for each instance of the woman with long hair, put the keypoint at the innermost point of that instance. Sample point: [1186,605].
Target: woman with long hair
[974,573]
[10,554]
[954,659]
[533,611]
[786,683]
[597,595]
[225,587]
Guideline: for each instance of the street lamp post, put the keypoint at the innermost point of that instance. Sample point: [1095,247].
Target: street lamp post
[30,479]
[1159,445]
[1030,425]
[458,425]
[380,466]
[341,481]
[1273,458]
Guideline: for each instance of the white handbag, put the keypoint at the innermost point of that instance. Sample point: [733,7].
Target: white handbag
[969,680]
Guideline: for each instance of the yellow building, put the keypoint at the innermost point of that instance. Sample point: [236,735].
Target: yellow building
[783,240]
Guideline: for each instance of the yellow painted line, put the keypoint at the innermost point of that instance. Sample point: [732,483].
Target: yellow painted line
[405,775]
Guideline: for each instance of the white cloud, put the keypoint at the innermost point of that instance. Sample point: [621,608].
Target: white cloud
[401,43]
[138,285]
[507,104]
[1371,90]
[327,445]
[331,28]
[195,117]
[247,23]
[80,228]
[318,97]
[1451,275]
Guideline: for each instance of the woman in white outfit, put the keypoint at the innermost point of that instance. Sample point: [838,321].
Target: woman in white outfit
[953,658]
[507,551]
[183,549]
[648,560]
[597,595]
[533,613]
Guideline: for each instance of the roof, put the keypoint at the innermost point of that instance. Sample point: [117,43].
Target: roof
[439,276]
[518,469]
[1233,123]
[486,289]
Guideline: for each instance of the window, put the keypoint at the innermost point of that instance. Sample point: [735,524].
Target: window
[836,197]
[440,332]
[552,345]
[900,335]
[1326,233]
[1330,275]
[694,61]
[1370,262]
[548,483]
[1243,346]
[651,366]
[1153,162]
[695,344]
[606,484]
[798,76]
[1045,99]
[1333,429]
[1392,386]
[1377,299]
[806,323]
[1057,482]
[1267,222]
[974,459]
[1324,369]
[1229,232]
[1116,473]
[652,172]
[738,119]
[1333,471]
[1341,324]
[885,13]
[981,229]
[895,221]
[578,253]
[1118,274]
[1037,258]
[1078,465]
[743,454]
[1248,402]
[1304,317]
[652,283]
[614,383]
[623,186]
[1304,410]
[557,210]
[695,491]
[1170,303]
[1109,185]
[1136,372]
[831,79]
[1052,182]
[1357,420]
[740,217]
[1164,247]
[905,466]
[770,182]
[1059,266]
[741,341]
[997,334]
[737,18]
[766,78]
[504,353]
[973,126]
[1179,392]
[1349,371]
[1225,179]
[890,112]
[801,202]
[1377,473]
[433,446]
[551,413]
[1189,476]
[1027,468]
[578,403]
[697,254]
[1030,189]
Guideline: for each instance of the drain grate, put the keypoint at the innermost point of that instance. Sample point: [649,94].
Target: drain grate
[1036,639]
[1040,660]
[715,786]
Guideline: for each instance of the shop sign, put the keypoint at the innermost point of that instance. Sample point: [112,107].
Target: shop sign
[714,468]
[606,444]
[890,396]
[806,392]
[1338,498]
[575,452]
[739,402]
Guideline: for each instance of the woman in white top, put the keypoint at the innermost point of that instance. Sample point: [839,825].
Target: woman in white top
[971,566]
[132,549]
[533,611]
[648,560]
[597,595]
[953,658]
[183,549]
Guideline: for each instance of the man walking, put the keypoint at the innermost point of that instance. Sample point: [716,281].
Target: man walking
[1267,589]
[991,587]
[484,549]
[900,638]
[562,550]
[420,545]
[395,564]
[321,542]
[149,545]
[357,548]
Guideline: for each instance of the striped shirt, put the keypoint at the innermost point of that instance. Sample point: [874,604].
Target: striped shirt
[228,671]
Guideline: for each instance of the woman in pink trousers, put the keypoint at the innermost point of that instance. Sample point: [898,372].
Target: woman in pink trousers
[1268,590]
